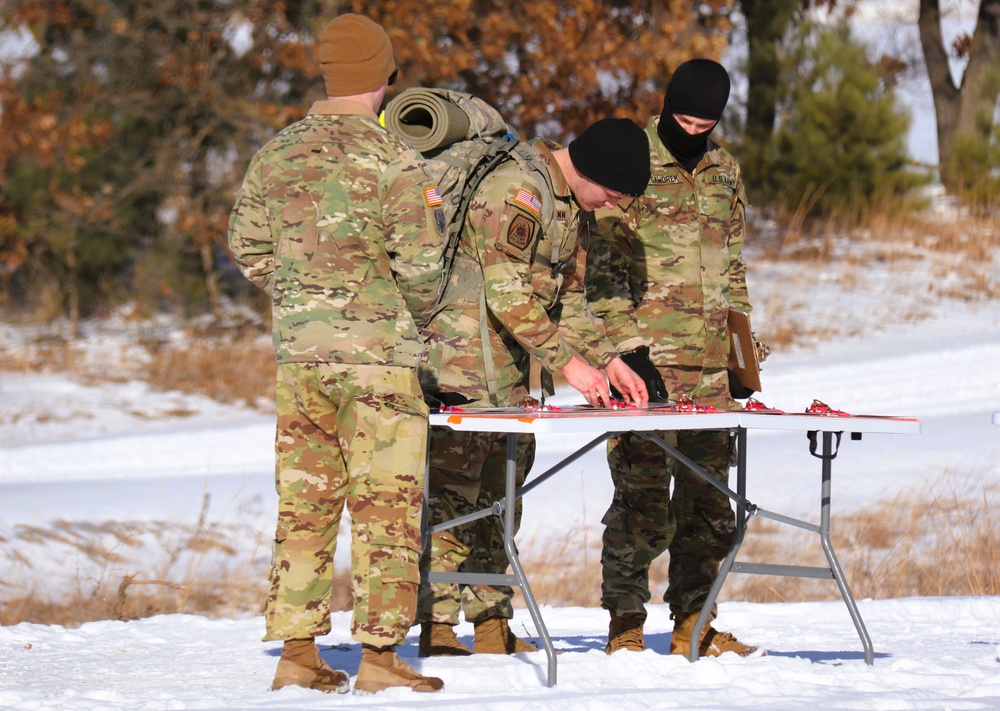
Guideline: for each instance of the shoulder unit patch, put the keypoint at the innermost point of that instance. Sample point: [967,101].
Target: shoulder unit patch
[520,232]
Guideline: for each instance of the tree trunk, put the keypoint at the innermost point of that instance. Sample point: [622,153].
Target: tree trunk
[767,22]
[73,292]
[968,107]
[211,278]
[979,91]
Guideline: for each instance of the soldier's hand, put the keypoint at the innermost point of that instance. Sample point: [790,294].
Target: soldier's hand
[626,384]
[588,380]
[638,360]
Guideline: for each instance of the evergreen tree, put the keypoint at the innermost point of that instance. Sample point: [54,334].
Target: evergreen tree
[841,144]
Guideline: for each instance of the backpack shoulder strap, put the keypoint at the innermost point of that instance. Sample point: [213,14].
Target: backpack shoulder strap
[487,156]
[529,160]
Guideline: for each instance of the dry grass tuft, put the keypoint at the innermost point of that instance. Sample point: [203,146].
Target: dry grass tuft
[919,545]
[935,544]
[931,545]
[233,365]
[236,372]
[129,570]
[948,255]
[962,246]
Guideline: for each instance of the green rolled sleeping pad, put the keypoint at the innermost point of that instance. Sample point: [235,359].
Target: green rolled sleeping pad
[426,119]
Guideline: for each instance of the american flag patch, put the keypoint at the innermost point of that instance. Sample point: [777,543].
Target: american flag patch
[525,198]
[433,196]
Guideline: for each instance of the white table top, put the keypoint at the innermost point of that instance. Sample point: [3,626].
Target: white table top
[996,418]
[581,420]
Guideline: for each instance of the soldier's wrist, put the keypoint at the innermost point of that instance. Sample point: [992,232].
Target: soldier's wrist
[559,360]
[630,344]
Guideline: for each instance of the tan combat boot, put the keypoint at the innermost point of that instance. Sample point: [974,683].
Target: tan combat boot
[300,665]
[381,669]
[493,636]
[713,643]
[625,632]
[438,639]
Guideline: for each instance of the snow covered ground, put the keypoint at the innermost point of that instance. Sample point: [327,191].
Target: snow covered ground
[931,654]
[75,453]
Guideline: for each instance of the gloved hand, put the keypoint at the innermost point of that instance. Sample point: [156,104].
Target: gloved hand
[445,399]
[638,360]
[737,389]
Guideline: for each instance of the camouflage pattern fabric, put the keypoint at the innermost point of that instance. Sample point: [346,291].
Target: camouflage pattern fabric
[531,272]
[670,268]
[532,276]
[468,473]
[307,228]
[353,434]
[414,228]
[667,270]
[695,524]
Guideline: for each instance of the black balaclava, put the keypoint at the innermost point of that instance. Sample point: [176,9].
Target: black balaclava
[699,88]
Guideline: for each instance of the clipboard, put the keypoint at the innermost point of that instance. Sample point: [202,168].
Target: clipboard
[743,356]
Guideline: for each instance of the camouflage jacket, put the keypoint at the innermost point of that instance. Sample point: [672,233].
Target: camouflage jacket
[307,228]
[669,268]
[522,242]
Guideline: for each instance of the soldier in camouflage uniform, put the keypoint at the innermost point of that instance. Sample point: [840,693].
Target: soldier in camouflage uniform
[522,243]
[667,271]
[351,421]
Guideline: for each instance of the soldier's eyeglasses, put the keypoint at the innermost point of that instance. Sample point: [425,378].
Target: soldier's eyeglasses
[393,76]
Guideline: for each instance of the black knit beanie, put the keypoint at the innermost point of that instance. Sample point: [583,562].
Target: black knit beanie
[698,88]
[614,153]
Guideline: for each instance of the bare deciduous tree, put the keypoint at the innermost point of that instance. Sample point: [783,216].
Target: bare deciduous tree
[966,107]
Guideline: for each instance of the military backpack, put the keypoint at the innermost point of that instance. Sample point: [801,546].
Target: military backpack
[461,139]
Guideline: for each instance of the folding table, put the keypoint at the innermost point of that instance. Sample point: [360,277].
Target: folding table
[824,433]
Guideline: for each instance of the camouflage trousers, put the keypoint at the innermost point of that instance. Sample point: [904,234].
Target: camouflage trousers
[695,524]
[468,473]
[354,435]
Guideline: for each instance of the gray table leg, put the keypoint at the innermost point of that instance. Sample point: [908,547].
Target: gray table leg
[507,512]
[727,564]
[824,535]
[510,500]
[744,510]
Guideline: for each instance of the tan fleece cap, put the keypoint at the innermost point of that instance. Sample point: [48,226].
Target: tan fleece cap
[355,56]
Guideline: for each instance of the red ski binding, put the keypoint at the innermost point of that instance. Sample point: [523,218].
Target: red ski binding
[686,404]
[754,405]
[821,408]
